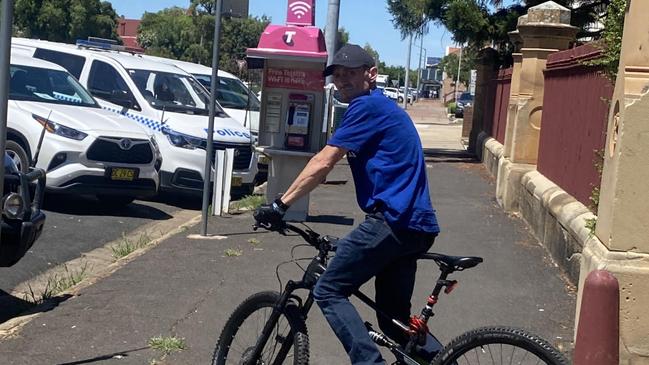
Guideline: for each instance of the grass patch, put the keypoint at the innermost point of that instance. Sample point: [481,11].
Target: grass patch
[167,345]
[127,246]
[249,202]
[591,224]
[255,242]
[231,252]
[57,283]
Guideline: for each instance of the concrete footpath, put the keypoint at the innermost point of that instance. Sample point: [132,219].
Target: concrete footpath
[187,288]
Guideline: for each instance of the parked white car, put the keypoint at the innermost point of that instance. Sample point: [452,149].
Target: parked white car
[85,149]
[169,102]
[394,94]
[234,97]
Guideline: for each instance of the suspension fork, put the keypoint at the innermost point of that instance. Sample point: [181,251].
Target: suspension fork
[278,310]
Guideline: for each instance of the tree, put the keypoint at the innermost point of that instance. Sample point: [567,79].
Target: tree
[372,52]
[482,22]
[65,20]
[450,65]
[188,34]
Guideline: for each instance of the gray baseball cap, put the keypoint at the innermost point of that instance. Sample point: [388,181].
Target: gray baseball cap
[352,56]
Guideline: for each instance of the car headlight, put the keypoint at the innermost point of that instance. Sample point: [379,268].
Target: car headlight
[13,205]
[60,129]
[182,140]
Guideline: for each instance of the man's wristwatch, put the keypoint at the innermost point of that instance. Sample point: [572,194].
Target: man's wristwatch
[280,206]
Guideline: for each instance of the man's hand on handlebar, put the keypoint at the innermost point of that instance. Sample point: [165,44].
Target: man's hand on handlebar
[270,216]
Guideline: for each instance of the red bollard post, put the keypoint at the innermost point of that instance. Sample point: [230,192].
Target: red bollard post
[598,332]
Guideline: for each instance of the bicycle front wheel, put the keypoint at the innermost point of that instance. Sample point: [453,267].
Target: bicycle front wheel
[243,329]
[499,345]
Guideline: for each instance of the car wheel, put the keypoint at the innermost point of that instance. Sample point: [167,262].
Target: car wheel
[18,155]
[115,201]
[400,100]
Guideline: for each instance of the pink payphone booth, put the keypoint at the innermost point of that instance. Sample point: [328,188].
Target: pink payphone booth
[293,57]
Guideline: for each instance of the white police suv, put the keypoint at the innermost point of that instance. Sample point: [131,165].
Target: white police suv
[167,101]
[54,123]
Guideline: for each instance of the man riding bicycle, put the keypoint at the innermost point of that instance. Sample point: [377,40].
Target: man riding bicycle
[387,163]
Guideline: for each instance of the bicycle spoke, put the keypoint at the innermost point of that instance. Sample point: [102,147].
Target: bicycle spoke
[491,355]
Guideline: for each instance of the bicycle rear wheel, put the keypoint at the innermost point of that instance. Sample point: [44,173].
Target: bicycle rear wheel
[499,345]
[244,327]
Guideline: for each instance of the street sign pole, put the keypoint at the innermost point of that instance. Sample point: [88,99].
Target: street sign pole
[5,59]
[210,126]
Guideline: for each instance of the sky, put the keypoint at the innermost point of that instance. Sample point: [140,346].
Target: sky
[366,21]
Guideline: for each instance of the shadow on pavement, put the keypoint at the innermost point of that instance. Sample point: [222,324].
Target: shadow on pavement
[119,355]
[11,307]
[331,219]
[79,205]
[448,155]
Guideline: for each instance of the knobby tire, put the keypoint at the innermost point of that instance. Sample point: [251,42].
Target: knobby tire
[260,302]
[484,340]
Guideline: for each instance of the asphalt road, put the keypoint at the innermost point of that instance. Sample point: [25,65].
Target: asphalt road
[187,288]
[76,225]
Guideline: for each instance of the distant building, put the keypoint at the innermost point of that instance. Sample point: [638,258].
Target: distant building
[127,31]
[431,78]
[448,84]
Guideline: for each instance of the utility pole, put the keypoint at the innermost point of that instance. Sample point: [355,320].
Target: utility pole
[331,35]
[421,48]
[459,69]
[212,111]
[5,58]
[405,87]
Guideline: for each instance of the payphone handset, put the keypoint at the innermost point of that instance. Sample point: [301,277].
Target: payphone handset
[298,119]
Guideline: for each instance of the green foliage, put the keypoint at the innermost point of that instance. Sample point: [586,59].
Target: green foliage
[249,202]
[451,62]
[188,35]
[482,22]
[368,48]
[451,107]
[591,224]
[611,41]
[167,345]
[397,74]
[65,20]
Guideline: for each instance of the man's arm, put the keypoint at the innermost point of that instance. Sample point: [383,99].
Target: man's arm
[314,173]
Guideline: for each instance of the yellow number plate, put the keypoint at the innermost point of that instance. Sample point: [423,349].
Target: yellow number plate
[236,181]
[123,174]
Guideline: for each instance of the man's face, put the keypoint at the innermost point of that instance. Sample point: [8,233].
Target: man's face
[353,82]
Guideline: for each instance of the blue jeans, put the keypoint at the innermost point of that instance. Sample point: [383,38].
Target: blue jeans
[372,249]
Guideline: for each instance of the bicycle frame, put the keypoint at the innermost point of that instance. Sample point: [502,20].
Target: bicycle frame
[417,329]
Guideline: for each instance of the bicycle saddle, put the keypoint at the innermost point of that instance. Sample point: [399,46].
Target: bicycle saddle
[452,263]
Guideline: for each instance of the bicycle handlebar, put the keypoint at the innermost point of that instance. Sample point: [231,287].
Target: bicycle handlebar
[322,243]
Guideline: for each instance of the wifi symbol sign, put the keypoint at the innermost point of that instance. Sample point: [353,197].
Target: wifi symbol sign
[300,12]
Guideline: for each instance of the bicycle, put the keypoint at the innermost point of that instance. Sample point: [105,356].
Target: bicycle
[283,323]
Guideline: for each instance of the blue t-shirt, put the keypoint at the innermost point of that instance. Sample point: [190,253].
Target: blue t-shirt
[387,162]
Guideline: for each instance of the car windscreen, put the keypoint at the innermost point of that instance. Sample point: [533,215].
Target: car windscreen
[232,93]
[47,86]
[172,92]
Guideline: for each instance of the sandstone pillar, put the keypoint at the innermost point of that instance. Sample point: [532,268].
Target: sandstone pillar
[486,71]
[621,244]
[544,30]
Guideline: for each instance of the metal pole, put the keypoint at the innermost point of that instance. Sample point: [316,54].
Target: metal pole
[405,87]
[5,59]
[331,36]
[459,69]
[210,126]
[421,48]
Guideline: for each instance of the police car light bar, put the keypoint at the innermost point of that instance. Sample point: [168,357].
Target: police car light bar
[105,44]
